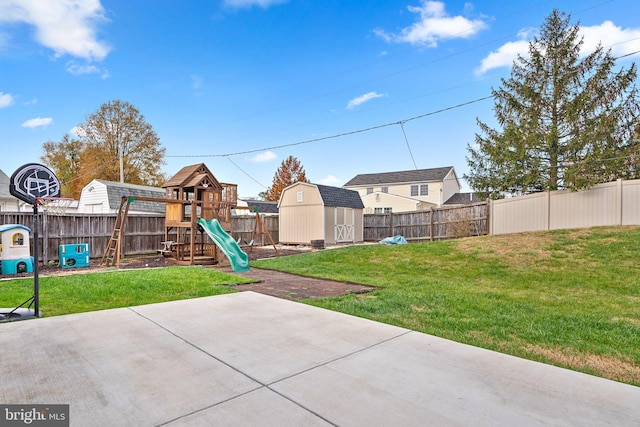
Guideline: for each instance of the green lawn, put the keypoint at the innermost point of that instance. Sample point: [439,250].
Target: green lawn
[99,291]
[570,298]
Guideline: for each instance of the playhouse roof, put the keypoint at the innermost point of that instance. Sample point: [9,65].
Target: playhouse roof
[191,176]
[7,227]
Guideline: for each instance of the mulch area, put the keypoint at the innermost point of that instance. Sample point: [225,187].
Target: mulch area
[274,283]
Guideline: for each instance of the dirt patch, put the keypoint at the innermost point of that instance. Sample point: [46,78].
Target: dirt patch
[294,287]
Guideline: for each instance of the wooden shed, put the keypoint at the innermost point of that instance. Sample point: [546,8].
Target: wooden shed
[313,212]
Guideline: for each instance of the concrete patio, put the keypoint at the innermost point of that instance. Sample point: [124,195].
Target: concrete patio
[249,359]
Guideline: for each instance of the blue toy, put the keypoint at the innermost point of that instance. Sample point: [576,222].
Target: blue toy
[74,255]
[15,254]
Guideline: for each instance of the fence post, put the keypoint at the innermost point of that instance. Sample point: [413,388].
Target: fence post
[619,205]
[431,223]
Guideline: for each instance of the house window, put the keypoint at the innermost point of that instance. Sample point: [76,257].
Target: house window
[384,189]
[381,210]
[422,190]
[369,190]
[299,197]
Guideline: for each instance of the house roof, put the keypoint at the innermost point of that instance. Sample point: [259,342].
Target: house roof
[462,199]
[417,175]
[115,191]
[340,197]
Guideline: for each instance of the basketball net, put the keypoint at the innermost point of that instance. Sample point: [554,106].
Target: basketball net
[55,206]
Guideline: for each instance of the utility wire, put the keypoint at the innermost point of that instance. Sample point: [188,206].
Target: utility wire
[309,141]
[408,146]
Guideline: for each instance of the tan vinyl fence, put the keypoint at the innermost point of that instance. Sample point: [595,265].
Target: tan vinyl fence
[609,204]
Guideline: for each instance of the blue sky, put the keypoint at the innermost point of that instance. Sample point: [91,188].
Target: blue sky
[347,87]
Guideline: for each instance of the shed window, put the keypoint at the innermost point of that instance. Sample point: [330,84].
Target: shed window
[299,197]
[382,210]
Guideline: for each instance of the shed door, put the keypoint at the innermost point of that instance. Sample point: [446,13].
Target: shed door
[344,224]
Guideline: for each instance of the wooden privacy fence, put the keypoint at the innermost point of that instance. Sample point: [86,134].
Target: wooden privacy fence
[142,235]
[434,224]
[243,227]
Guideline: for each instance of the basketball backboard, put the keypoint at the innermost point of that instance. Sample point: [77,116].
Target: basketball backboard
[32,181]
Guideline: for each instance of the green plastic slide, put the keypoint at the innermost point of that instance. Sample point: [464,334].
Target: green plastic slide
[237,257]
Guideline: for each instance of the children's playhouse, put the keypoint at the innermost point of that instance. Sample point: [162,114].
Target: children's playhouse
[15,253]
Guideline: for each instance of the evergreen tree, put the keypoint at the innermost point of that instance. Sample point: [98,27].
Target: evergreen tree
[289,172]
[567,121]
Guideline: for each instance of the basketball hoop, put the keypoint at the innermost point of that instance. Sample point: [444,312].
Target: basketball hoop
[55,206]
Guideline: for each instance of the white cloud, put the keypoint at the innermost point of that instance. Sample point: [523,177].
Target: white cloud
[504,56]
[78,70]
[37,122]
[66,26]
[6,99]
[434,25]
[621,41]
[362,99]
[249,3]
[329,180]
[267,156]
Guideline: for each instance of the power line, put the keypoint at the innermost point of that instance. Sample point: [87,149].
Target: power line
[309,141]
[408,146]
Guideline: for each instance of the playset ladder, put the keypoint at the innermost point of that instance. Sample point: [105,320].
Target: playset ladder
[112,252]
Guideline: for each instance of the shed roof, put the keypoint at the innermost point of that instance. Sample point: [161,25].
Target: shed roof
[4,185]
[340,197]
[115,191]
[262,206]
[417,175]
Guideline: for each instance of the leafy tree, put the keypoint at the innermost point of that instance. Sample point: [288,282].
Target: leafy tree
[567,121]
[121,145]
[64,158]
[115,143]
[289,172]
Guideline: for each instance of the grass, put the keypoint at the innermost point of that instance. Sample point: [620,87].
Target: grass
[99,291]
[569,298]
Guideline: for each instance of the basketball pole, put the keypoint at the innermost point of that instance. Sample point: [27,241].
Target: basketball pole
[36,263]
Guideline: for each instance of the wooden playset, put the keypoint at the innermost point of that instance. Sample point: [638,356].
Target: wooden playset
[197,222]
